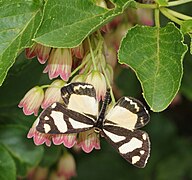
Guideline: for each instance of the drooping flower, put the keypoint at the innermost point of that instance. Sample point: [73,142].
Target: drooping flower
[68,140]
[78,51]
[59,64]
[32,101]
[55,176]
[89,140]
[66,166]
[30,52]
[38,173]
[38,138]
[42,53]
[97,79]
[53,93]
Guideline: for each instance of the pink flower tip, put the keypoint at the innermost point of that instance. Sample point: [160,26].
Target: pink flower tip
[32,101]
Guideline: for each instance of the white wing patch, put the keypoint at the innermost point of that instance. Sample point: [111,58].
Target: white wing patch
[79,125]
[122,117]
[47,128]
[83,104]
[135,159]
[133,144]
[115,138]
[59,121]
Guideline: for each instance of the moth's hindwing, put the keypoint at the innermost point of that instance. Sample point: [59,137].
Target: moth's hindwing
[80,97]
[134,145]
[128,113]
[56,119]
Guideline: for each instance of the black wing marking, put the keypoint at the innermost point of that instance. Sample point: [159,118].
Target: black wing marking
[80,97]
[56,119]
[134,146]
[128,113]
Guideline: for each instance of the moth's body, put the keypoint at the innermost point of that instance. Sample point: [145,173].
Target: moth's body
[118,126]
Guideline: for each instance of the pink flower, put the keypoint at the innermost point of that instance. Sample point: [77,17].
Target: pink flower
[55,176]
[66,166]
[38,138]
[78,51]
[32,101]
[30,52]
[68,140]
[42,53]
[53,93]
[39,173]
[89,140]
[97,79]
[59,64]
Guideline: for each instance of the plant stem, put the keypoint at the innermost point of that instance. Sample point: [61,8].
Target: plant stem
[179,2]
[170,16]
[179,15]
[157,22]
[108,84]
[92,55]
[146,6]
[79,67]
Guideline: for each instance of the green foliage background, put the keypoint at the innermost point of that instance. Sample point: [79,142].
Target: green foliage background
[170,131]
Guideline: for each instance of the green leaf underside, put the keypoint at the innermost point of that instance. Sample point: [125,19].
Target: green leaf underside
[66,23]
[24,152]
[156,57]
[7,165]
[18,23]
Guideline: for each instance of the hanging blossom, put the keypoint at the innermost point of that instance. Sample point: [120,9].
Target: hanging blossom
[53,93]
[87,140]
[66,166]
[42,52]
[59,63]
[32,101]
[97,79]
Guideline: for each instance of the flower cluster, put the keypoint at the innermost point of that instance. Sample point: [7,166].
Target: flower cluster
[36,97]
[97,70]
[66,168]
[59,60]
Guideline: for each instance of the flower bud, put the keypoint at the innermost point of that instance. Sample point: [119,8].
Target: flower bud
[42,53]
[89,140]
[53,93]
[32,101]
[59,64]
[97,79]
[66,166]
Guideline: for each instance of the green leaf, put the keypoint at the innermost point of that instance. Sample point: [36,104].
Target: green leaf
[162,2]
[186,26]
[18,22]
[67,23]
[7,165]
[25,153]
[186,86]
[156,55]
[23,75]
[191,44]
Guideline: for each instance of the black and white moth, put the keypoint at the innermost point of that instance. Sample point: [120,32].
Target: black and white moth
[118,125]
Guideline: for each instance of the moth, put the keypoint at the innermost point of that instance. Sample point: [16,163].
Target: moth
[118,125]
